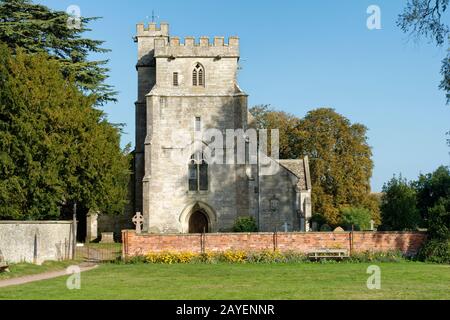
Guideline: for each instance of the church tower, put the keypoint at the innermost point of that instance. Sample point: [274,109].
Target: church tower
[146,71]
[186,87]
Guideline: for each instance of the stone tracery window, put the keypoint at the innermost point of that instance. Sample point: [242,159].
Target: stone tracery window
[198,76]
[198,173]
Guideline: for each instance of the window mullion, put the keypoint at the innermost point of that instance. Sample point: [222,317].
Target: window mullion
[198,177]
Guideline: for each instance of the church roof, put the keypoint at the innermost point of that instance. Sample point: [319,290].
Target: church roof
[300,169]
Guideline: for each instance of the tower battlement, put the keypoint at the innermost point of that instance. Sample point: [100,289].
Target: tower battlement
[152,29]
[201,47]
[203,42]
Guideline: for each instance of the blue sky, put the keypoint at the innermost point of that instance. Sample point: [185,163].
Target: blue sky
[297,56]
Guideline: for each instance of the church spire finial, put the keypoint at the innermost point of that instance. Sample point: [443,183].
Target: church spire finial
[154,17]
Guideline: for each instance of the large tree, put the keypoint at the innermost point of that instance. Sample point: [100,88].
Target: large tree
[341,164]
[340,157]
[55,148]
[37,29]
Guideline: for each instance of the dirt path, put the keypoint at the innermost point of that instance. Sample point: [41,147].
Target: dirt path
[43,276]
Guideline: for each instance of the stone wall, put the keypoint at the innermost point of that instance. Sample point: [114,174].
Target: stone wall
[35,242]
[407,242]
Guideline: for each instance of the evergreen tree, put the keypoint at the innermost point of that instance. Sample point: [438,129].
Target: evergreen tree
[55,148]
[399,206]
[37,29]
[431,188]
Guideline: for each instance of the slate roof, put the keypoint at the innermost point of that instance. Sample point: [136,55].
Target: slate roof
[300,169]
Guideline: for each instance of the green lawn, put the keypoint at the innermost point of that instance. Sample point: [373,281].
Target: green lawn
[406,280]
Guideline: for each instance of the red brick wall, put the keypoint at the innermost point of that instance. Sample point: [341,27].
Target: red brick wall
[407,242]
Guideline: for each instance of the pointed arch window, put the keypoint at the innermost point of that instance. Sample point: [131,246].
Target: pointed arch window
[198,76]
[198,173]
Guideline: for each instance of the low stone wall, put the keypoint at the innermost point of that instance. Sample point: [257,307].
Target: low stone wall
[35,241]
[138,244]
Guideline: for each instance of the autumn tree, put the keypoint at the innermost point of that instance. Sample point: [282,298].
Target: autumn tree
[340,160]
[340,157]
[265,117]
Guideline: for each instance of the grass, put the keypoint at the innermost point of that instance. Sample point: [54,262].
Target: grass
[406,280]
[26,269]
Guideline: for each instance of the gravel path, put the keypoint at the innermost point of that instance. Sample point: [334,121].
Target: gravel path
[43,276]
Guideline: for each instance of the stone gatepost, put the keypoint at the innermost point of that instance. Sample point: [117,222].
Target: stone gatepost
[91,226]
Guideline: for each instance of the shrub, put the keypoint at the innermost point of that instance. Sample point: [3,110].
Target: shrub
[377,256]
[231,256]
[295,257]
[245,224]
[439,220]
[170,257]
[436,251]
[358,217]
[266,256]
[437,248]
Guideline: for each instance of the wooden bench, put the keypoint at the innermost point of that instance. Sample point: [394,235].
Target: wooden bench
[336,254]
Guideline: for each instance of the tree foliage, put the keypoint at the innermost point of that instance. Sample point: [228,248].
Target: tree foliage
[431,188]
[38,29]
[288,125]
[357,217]
[426,18]
[399,205]
[433,197]
[340,157]
[437,248]
[55,148]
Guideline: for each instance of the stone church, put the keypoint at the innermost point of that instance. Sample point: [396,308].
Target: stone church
[186,88]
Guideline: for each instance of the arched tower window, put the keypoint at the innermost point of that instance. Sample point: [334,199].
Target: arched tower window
[198,173]
[198,76]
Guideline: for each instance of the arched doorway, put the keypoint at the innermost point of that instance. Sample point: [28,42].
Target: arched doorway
[198,214]
[198,222]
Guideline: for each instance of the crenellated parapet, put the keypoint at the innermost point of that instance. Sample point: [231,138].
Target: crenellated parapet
[202,47]
[152,30]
